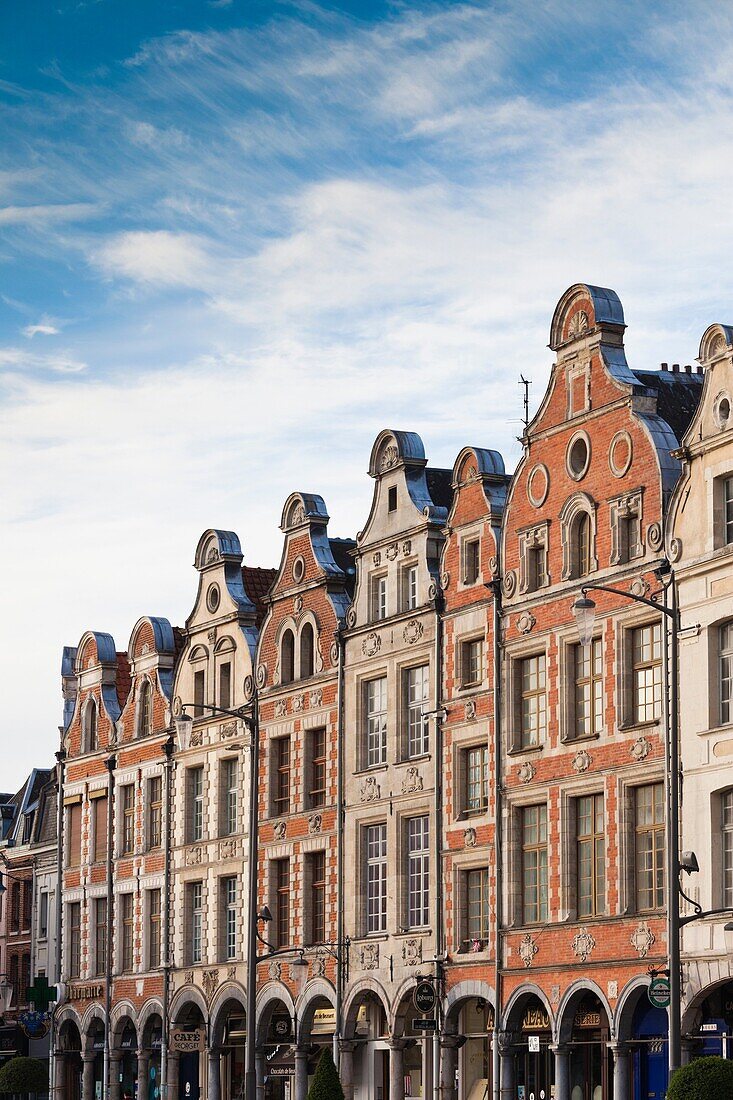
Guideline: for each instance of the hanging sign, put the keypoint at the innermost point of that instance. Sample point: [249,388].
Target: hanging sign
[188,1041]
[658,992]
[423,997]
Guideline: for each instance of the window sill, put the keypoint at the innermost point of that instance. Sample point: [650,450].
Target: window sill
[524,751]
[468,815]
[421,930]
[717,731]
[629,727]
[420,758]
[581,739]
[371,771]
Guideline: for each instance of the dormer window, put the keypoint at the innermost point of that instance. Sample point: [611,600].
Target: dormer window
[409,588]
[91,734]
[392,498]
[626,541]
[581,545]
[379,597]
[145,712]
[578,525]
[306,651]
[471,560]
[533,543]
[287,657]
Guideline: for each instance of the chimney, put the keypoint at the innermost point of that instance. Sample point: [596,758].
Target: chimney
[675,368]
[664,366]
[688,368]
[699,369]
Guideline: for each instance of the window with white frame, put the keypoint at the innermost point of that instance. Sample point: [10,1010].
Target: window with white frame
[316,874]
[196,906]
[415,682]
[127,903]
[74,912]
[378,597]
[375,706]
[287,657]
[199,693]
[155,811]
[533,548]
[100,935]
[91,727]
[587,662]
[409,588]
[727,510]
[281,764]
[476,891]
[470,560]
[128,818]
[472,653]
[726,821]
[534,864]
[646,662]
[145,710]
[317,764]
[590,833]
[375,843]
[230,795]
[42,915]
[225,684]
[418,871]
[650,869]
[725,672]
[195,804]
[229,923]
[154,929]
[476,770]
[533,700]
[626,544]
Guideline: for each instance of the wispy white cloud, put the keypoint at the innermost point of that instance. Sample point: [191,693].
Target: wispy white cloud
[43,328]
[59,362]
[38,215]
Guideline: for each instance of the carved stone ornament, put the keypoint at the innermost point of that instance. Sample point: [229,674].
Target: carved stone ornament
[371,644]
[412,952]
[642,939]
[210,982]
[640,748]
[261,675]
[298,605]
[315,823]
[211,635]
[526,772]
[675,549]
[412,781]
[377,557]
[315,699]
[583,944]
[369,790]
[298,515]
[470,710]
[578,323]
[197,739]
[298,703]
[369,956]
[413,632]
[227,849]
[145,649]
[194,856]
[469,837]
[351,616]
[275,970]
[654,535]
[509,584]
[525,622]
[445,580]
[249,687]
[281,708]
[527,950]
[319,966]
[334,654]
[407,547]
[213,554]
[639,587]
[392,551]
[612,990]
[228,730]
[582,761]
[555,994]
[390,457]
[279,829]
[188,978]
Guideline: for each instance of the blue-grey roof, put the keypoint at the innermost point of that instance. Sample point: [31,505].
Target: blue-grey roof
[163,634]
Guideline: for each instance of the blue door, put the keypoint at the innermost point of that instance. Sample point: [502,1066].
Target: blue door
[650,1055]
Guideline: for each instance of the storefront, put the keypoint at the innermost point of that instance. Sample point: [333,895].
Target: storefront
[232,1062]
[280,1057]
[128,1064]
[476,1023]
[591,1071]
[649,1045]
[713,1034]
[96,1046]
[534,1059]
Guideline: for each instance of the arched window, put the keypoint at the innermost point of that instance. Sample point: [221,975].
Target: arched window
[145,711]
[287,657]
[306,651]
[91,734]
[581,545]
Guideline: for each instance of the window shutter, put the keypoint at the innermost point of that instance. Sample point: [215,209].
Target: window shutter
[100,830]
[74,835]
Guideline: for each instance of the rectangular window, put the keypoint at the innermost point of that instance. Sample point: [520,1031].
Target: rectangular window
[726,814]
[534,864]
[650,847]
[726,673]
[646,646]
[154,928]
[392,498]
[418,872]
[14,979]
[471,563]
[73,831]
[197,921]
[477,907]
[471,662]
[43,915]
[477,778]
[128,930]
[100,935]
[199,691]
[728,510]
[230,793]
[317,746]
[409,588]
[376,876]
[229,902]
[591,855]
[629,537]
[415,682]
[536,568]
[281,776]
[225,684]
[379,597]
[127,794]
[588,675]
[534,701]
[376,721]
[155,812]
[317,875]
[100,829]
[196,804]
[282,902]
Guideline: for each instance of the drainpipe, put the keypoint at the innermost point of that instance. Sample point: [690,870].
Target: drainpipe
[439,923]
[340,816]
[111,765]
[168,748]
[58,914]
[498,832]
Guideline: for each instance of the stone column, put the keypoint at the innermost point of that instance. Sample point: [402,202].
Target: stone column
[346,1068]
[115,1061]
[621,1071]
[396,1069]
[301,1074]
[59,1067]
[143,1068]
[562,1072]
[448,1066]
[87,1077]
[173,1072]
[506,1065]
[686,1048]
[213,1088]
[260,1072]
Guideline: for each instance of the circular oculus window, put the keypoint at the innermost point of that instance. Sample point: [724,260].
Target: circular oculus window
[577,456]
[298,570]
[213,597]
[538,485]
[721,411]
[620,454]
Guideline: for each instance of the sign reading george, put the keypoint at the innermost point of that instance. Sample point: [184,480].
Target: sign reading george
[421,1024]
[658,992]
[187,1041]
[423,997]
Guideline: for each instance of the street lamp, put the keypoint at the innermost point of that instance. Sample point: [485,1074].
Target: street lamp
[584,609]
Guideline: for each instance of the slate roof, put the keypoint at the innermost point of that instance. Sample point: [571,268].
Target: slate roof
[440,486]
[342,550]
[257,583]
[678,395]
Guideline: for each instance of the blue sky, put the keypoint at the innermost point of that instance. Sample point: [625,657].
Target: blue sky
[238,238]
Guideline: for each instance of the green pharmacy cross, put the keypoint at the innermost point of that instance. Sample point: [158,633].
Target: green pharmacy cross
[41,993]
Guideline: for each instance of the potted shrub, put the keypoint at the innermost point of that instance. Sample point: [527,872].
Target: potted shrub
[24,1075]
[703,1079]
[326,1084]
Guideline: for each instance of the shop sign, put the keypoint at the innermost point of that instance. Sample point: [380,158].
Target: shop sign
[534,1044]
[281,1071]
[421,1024]
[423,997]
[91,992]
[128,1040]
[187,1041]
[587,1018]
[535,1019]
[324,1021]
[658,992]
[98,1042]
[281,1026]
[34,1024]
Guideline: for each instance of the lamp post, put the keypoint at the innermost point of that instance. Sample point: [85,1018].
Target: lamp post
[584,609]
